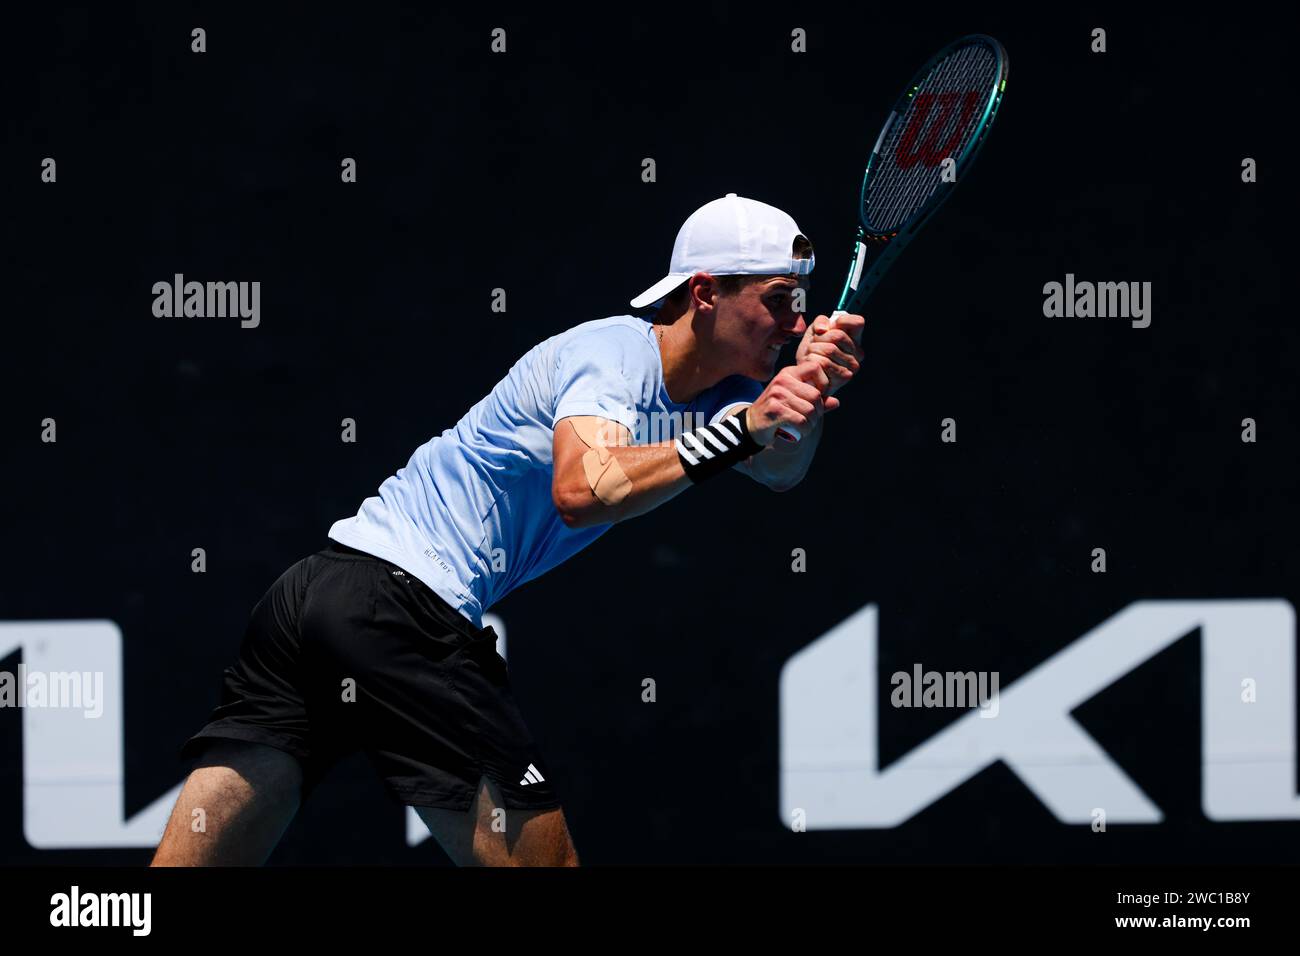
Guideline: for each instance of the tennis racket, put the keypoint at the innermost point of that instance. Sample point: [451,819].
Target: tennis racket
[925,148]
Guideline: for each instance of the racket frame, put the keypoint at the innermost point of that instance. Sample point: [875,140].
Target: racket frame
[874,252]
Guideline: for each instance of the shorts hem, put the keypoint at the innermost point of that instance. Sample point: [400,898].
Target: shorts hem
[546,803]
[288,745]
[441,800]
[436,800]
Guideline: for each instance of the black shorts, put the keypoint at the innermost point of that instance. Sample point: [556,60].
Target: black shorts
[431,707]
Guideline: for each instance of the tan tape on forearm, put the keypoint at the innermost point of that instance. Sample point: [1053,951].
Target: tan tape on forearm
[609,483]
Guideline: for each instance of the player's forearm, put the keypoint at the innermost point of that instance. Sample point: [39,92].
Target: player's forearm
[645,477]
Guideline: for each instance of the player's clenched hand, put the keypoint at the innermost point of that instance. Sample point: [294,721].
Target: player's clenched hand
[839,344]
[793,397]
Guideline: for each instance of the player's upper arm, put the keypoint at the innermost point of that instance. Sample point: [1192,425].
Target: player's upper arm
[603,373]
[571,480]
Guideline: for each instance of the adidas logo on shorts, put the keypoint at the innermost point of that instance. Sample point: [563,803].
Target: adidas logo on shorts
[532,776]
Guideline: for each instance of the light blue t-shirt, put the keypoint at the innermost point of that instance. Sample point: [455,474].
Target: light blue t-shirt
[471,514]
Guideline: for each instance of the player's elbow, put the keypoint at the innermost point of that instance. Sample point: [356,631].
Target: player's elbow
[576,507]
[565,507]
[573,517]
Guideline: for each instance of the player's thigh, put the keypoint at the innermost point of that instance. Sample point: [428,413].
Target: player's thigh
[490,834]
[234,807]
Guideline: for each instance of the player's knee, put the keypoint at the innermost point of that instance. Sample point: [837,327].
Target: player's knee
[564,855]
[541,841]
[569,857]
[558,851]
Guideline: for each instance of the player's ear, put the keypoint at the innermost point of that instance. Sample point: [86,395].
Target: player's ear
[703,290]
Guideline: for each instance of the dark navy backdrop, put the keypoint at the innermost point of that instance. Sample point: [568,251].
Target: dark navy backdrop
[522,171]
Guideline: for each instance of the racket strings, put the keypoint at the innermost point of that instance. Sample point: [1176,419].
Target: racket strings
[896,192]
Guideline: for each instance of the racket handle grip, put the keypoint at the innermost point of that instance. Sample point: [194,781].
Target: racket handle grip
[788,433]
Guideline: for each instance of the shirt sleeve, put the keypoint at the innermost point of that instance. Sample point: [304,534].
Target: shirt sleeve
[731,392]
[602,373]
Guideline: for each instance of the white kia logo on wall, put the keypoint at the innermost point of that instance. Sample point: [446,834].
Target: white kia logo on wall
[830,775]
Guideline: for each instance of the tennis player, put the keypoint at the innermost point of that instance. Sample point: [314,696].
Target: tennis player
[376,643]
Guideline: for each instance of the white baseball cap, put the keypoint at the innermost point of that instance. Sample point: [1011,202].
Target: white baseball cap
[731,236]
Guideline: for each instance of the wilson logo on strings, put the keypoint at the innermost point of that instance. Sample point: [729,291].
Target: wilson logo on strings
[929,152]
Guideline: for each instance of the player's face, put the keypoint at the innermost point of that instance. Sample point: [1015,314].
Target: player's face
[759,319]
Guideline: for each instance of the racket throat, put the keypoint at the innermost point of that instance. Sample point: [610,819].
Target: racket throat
[854,280]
